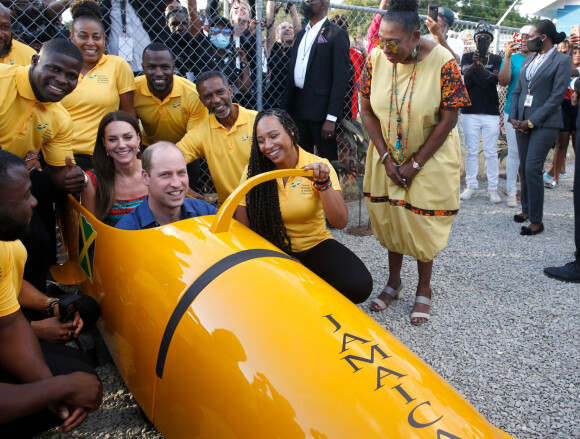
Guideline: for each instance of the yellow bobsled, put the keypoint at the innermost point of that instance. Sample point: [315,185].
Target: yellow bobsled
[219,334]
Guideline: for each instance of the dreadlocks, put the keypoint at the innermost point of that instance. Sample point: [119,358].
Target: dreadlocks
[263,204]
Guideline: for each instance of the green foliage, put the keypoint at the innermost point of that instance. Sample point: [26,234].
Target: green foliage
[359,22]
[476,10]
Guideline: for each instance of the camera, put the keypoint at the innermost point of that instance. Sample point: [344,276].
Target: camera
[68,306]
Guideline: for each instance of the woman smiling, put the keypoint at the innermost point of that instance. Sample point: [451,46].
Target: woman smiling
[106,82]
[115,185]
[289,212]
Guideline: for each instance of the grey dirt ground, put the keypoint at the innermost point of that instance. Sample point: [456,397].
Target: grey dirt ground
[504,335]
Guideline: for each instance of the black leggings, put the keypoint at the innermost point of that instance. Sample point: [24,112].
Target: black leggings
[340,267]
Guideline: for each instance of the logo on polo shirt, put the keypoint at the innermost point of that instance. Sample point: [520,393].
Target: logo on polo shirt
[245,137]
[177,104]
[296,182]
[41,126]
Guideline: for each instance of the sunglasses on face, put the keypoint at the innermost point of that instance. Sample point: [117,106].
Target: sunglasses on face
[225,31]
[391,45]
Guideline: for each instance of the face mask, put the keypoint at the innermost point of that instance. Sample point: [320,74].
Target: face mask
[307,11]
[220,41]
[535,44]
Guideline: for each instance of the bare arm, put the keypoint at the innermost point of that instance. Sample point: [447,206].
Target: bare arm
[332,200]
[88,196]
[296,24]
[78,389]
[435,30]
[244,83]
[195,22]
[505,74]
[56,8]
[51,329]
[126,103]
[270,28]
[242,215]
[20,353]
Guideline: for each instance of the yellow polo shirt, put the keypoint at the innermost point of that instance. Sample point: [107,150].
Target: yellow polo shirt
[19,55]
[227,152]
[301,206]
[12,259]
[97,94]
[26,124]
[171,118]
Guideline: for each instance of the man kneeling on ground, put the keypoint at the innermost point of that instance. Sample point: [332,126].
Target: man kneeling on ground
[165,175]
[32,397]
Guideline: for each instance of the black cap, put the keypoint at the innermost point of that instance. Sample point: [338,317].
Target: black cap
[218,19]
[448,14]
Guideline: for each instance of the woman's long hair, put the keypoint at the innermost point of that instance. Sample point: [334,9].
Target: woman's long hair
[105,166]
[263,204]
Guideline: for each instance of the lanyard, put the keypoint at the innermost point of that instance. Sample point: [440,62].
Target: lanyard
[124,15]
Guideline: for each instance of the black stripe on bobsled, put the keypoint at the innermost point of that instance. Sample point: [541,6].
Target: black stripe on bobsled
[197,287]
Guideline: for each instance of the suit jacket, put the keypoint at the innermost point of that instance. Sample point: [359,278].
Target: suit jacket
[548,87]
[328,74]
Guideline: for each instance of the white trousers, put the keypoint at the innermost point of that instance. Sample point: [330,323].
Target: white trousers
[513,159]
[485,126]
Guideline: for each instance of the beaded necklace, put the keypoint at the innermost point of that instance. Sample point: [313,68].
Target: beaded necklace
[411,83]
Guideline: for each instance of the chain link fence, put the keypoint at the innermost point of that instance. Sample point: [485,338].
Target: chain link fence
[253,55]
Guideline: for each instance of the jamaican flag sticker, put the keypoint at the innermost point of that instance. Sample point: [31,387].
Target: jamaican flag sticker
[87,240]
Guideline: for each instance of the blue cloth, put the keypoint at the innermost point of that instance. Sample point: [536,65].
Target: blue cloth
[517,62]
[142,217]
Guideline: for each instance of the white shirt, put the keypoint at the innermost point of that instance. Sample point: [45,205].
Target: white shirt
[537,62]
[134,40]
[310,35]
[308,40]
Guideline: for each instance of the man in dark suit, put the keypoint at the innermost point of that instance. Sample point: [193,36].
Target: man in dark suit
[318,79]
[570,272]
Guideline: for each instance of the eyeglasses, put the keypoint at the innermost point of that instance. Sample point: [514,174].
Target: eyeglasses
[391,45]
[216,31]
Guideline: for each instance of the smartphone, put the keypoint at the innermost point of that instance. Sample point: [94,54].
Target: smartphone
[433,11]
[482,47]
[575,30]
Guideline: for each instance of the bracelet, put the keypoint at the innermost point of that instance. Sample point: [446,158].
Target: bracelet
[49,305]
[323,185]
[384,157]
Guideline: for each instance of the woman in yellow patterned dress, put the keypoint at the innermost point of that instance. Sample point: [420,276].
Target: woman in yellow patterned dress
[411,92]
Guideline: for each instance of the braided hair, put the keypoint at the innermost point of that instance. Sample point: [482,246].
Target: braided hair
[263,204]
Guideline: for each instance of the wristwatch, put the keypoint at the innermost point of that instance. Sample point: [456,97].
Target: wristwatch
[416,165]
[530,124]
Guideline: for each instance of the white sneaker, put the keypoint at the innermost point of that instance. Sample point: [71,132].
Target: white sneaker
[512,200]
[468,193]
[493,197]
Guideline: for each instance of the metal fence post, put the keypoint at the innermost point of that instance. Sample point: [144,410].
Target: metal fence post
[259,46]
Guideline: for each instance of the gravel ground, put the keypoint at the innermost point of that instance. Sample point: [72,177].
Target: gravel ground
[504,335]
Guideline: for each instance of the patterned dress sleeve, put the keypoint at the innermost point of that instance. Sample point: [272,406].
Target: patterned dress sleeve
[453,92]
[364,84]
